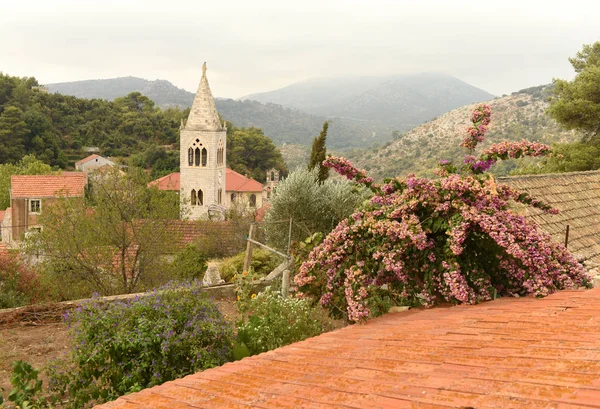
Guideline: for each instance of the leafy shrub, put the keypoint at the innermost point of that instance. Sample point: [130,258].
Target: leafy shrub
[420,241]
[313,206]
[263,262]
[190,264]
[123,347]
[19,284]
[26,387]
[275,321]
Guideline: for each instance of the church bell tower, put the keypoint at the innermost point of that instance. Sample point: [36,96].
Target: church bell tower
[202,156]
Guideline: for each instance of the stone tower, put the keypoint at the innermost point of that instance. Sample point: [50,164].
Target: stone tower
[202,156]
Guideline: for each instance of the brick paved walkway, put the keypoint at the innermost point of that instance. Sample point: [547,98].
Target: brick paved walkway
[509,353]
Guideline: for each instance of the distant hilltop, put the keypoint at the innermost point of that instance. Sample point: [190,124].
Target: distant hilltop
[362,110]
[521,115]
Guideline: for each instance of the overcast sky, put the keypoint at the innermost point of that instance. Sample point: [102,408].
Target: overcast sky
[259,45]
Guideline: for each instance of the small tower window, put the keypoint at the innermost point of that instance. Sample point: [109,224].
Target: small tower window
[272,176]
[197,157]
[233,197]
[193,198]
[252,200]
[204,157]
[190,157]
[219,196]
[200,197]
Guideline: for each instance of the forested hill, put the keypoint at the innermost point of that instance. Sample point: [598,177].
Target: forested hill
[521,115]
[362,111]
[283,125]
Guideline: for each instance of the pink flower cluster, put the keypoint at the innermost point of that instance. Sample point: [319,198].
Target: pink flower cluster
[480,118]
[513,150]
[345,168]
[422,241]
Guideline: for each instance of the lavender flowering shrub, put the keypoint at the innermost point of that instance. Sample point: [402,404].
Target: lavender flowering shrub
[124,347]
[454,239]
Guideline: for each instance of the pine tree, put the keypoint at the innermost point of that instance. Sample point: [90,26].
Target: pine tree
[319,153]
[12,135]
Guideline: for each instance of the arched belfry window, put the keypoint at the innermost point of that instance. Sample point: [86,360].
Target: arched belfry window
[220,153]
[204,157]
[197,157]
[252,200]
[272,176]
[200,197]
[190,157]
[193,198]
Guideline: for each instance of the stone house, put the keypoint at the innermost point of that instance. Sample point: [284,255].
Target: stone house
[271,185]
[30,194]
[92,163]
[239,189]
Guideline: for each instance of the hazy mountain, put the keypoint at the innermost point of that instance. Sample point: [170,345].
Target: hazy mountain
[283,125]
[162,92]
[400,102]
[518,116]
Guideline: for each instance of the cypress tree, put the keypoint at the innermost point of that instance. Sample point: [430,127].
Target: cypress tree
[319,153]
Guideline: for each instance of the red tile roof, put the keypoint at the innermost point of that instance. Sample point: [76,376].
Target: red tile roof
[89,158]
[509,353]
[234,182]
[71,184]
[237,182]
[168,182]
[2,215]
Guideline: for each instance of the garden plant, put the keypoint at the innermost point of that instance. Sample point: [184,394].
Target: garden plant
[453,239]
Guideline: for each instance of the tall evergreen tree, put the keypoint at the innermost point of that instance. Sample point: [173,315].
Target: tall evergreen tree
[319,153]
[12,135]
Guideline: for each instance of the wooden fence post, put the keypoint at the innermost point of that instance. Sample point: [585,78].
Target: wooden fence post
[285,283]
[248,258]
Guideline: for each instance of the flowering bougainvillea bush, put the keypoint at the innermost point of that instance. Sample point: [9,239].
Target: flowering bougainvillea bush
[453,239]
[123,347]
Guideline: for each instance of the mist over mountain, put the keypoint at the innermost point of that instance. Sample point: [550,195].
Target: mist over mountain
[400,102]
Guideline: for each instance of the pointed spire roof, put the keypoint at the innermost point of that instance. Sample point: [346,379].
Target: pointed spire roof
[203,114]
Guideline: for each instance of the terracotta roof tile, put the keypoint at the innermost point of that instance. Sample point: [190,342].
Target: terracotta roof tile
[168,182]
[71,184]
[508,353]
[577,196]
[89,158]
[234,182]
[237,182]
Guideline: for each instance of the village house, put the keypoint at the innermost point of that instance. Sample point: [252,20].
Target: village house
[239,189]
[30,194]
[92,163]
[271,185]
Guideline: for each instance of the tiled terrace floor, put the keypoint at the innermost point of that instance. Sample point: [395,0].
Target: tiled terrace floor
[509,353]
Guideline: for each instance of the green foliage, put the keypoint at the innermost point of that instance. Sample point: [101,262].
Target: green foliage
[263,262]
[568,157]
[53,125]
[28,165]
[576,103]
[124,347]
[319,153]
[26,387]
[275,321]
[313,206]
[190,264]
[251,153]
[117,246]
